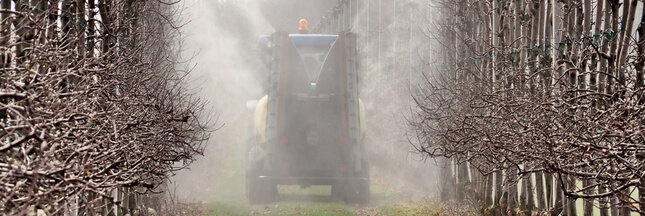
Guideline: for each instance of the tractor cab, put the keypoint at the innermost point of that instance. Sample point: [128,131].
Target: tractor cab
[312,48]
[308,127]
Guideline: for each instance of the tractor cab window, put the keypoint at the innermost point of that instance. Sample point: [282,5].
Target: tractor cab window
[313,58]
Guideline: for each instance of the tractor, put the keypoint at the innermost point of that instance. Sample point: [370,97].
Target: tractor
[308,128]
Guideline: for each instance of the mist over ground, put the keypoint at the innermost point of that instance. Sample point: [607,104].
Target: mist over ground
[222,37]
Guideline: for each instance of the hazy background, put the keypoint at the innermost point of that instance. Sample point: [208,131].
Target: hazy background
[222,37]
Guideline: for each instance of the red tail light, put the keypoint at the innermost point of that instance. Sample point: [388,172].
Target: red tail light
[342,141]
[342,169]
[284,140]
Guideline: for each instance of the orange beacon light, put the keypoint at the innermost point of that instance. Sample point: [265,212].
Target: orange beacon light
[304,26]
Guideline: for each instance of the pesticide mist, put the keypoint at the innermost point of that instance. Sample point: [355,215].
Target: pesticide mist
[221,38]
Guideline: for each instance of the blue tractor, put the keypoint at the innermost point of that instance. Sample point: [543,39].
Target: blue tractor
[308,128]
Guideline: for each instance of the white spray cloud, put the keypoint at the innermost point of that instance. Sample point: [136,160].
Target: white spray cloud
[220,37]
[223,33]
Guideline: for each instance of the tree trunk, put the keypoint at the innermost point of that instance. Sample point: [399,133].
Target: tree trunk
[447,181]
[597,78]
[641,195]
[104,10]
[625,210]
[24,35]
[81,27]
[570,200]
[629,10]
[499,181]
[640,73]
[611,62]
[578,57]
[559,201]
[67,21]
[530,204]
[5,56]
[52,20]
[134,23]
[512,190]
[464,182]
[524,198]
[587,207]
[548,184]
[539,190]
[5,34]
[484,30]
[588,203]
[604,84]
[489,191]
[91,29]
[477,186]
[604,205]
[614,205]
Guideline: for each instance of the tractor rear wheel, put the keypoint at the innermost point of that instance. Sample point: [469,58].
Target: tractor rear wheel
[259,190]
[358,192]
[354,191]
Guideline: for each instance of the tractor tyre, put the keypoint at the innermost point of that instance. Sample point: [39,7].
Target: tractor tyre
[258,190]
[357,191]
[338,191]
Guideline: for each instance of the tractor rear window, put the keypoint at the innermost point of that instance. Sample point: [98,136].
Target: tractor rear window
[313,58]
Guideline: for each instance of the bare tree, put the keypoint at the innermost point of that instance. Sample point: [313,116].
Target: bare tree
[569,112]
[91,104]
